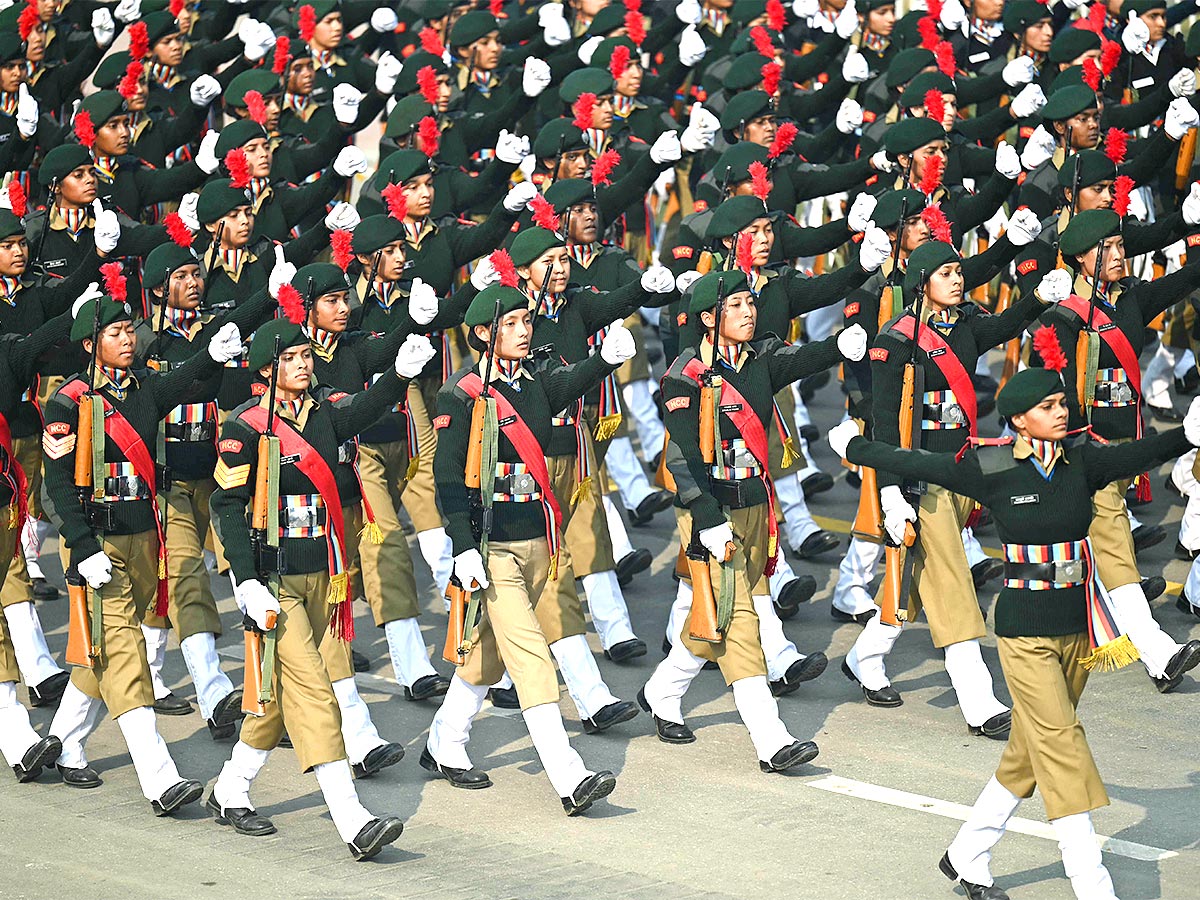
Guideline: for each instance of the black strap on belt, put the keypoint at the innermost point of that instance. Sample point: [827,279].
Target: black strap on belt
[1030,571]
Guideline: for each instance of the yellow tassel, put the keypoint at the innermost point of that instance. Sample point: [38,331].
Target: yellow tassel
[162,568]
[12,515]
[554,567]
[585,487]
[413,463]
[607,427]
[372,532]
[790,454]
[339,586]
[1111,656]
[772,545]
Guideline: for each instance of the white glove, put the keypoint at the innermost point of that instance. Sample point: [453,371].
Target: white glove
[618,345]
[536,76]
[422,302]
[413,355]
[258,39]
[246,28]
[1191,205]
[841,435]
[849,116]
[556,32]
[483,274]
[107,231]
[1023,227]
[96,570]
[1073,4]
[692,48]
[346,98]
[128,11]
[1008,163]
[996,225]
[658,280]
[206,156]
[386,73]
[1019,71]
[281,273]
[846,21]
[469,570]
[519,196]
[1055,286]
[701,130]
[1191,423]
[384,19]
[588,49]
[91,292]
[714,539]
[27,112]
[1029,101]
[663,184]
[1183,83]
[686,280]
[256,600]
[1181,116]
[861,210]
[666,149]
[350,161]
[187,211]
[104,29]
[881,162]
[805,9]
[343,216]
[1039,148]
[897,512]
[511,148]
[548,12]
[528,166]
[852,342]
[1136,34]
[854,68]
[226,343]
[953,17]
[688,12]
[204,90]
[876,247]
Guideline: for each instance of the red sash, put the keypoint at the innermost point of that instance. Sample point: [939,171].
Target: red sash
[134,449]
[943,356]
[752,431]
[317,470]
[16,480]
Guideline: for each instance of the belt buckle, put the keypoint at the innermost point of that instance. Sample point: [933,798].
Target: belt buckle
[1069,571]
[305,517]
[952,414]
[1121,392]
[523,483]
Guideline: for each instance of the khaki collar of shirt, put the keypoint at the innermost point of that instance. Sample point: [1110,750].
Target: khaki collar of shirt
[497,375]
[464,79]
[284,413]
[156,316]
[57,223]
[1023,449]
[102,380]
[367,291]
[244,260]
[427,228]
[706,351]
[1083,288]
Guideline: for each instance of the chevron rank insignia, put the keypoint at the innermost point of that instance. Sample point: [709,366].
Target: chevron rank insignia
[228,477]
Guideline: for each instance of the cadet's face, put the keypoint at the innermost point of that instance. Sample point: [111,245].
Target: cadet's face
[516,331]
[945,287]
[239,223]
[761,235]
[584,223]
[1094,53]
[1114,261]
[949,112]
[35,46]
[760,130]
[300,76]
[12,76]
[1039,35]
[169,50]
[331,311]
[916,233]
[989,10]
[602,112]
[14,256]
[444,93]
[1096,196]
[391,262]
[574,164]
[136,102]
[588,8]
[112,138]
[328,32]
[1083,128]
[258,157]
[295,372]
[117,345]
[881,21]
[738,318]
[271,104]
[1047,421]
[556,261]
[630,82]
[47,9]
[78,188]
[922,156]
[486,51]
[1156,21]
[419,192]
[185,287]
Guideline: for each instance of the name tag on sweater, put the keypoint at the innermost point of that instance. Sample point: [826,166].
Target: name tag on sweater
[731,407]
[1143,82]
[1023,499]
[289,460]
[978,57]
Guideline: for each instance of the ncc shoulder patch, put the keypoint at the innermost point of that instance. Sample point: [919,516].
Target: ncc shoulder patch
[1193,240]
[681,319]
[230,445]
[337,395]
[868,116]
[852,309]
[677,403]
[1029,265]
[879,354]
[683,252]
[441,422]
[57,447]
[228,477]
[700,205]
[1026,132]
[257,389]
[58,428]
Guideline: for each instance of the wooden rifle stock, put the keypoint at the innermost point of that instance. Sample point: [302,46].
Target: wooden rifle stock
[456,629]
[707,431]
[1012,350]
[254,698]
[83,447]
[79,630]
[262,475]
[702,624]
[1183,162]
[980,294]
[662,475]
[868,521]
[475,443]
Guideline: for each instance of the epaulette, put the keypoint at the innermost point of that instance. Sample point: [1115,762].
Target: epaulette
[982,444]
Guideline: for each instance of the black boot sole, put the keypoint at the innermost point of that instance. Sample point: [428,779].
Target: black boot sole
[599,791]
[386,836]
[430,765]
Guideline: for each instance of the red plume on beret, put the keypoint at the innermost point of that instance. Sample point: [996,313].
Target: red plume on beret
[603,167]
[239,168]
[784,135]
[934,9]
[935,105]
[292,304]
[772,74]
[1110,55]
[308,22]
[543,213]
[927,27]
[431,42]
[16,199]
[396,201]
[1123,188]
[114,281]
[129,81]
[1116,143]
[342,243]
[1046,345]
[283,55]
[428,84]
[177,6]
[139,40]
[28,21]
[760,185]
[177,231]
[932,179]
[619,61]
[503,264]
[428,135]
[256,107]
[944,54]
[633,5]
[635,27]
[776,15]
[1092,74]
[745,251]
[1095,18]
[582,110]
[937,223]
[496,7]
[762,41]
[85,131]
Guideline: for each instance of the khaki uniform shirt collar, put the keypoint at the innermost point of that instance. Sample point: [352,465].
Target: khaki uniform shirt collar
[706,353]
[1023,449]
[496,374]
[284,413]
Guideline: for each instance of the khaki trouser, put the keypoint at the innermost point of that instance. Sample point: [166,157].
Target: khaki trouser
[121,676]
[8,656]
[302,699]
[192,608]
[509,636]
[387,569]
[587,533]
[1111,537]
[18,588]
[1047,747]
[740,654]
[638,367]
[338,661]
[941,581]
[564,616]
[420,496]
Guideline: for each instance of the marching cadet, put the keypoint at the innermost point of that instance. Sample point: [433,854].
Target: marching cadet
[1053,619]
[1107,313]
[725,506]
[115,537]
[506,534]
[312,597]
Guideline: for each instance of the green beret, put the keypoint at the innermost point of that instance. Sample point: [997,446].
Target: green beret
[325,277]
[906,64]
[1020,14]
[1071,76]
[262,80]
[585,81]
[566,192]
[102,106]
[376,232]
[604,52]
[872,5]
[607,20]
[737,160]
[745,71]
[109,73]
[1072,43]
[406,115]
[1191,45]
[1067,102]
[321,8]
[217,198]
[744,12]
[1141,7]
[400,166]
[1087,229]
[110,311]
[12,48]
[909,135]
[927,258]
[887,210]
[915,91]
[406,83]
[742,108]
[558,136]
[704,289]
[532,243]
[262,348]
[238,134]
[62,161]
[1026,389]
[10,224]
[160,25]
[471,27]
[1094,167]
[734,215]
[162,261]
[483,307]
